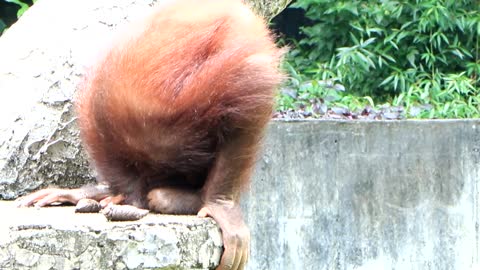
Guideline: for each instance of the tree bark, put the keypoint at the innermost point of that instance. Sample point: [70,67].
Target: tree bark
[268,8]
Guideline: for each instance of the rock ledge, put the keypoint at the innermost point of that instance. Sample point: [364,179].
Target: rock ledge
[58,238]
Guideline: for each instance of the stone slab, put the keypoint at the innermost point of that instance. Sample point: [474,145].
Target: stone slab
[58,238]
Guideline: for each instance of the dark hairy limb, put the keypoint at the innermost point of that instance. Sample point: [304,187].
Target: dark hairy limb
[221,194]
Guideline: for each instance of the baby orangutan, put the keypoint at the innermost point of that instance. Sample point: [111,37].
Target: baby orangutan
[172,116]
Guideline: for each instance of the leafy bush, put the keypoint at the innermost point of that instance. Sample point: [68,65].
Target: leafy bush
[420,55]
[11,10]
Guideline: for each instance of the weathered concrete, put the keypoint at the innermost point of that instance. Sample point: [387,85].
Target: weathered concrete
[57,238]
[367,195]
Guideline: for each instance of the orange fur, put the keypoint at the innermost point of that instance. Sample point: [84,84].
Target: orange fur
[166,97]
[173,115]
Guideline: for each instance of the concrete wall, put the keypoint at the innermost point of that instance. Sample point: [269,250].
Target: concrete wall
[367,195]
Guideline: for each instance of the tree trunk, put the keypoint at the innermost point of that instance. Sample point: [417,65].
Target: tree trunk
[268,8]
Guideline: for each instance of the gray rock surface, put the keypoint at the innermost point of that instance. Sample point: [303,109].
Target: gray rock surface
[57,238]
[43,57]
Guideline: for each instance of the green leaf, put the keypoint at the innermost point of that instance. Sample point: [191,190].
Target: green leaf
[3,26]
[23,7]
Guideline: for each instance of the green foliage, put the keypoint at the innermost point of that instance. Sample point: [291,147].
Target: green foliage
[23,6]
[11,10]
[421,55]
